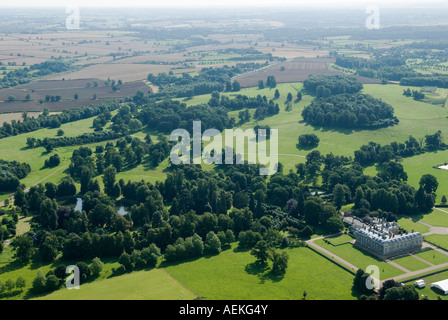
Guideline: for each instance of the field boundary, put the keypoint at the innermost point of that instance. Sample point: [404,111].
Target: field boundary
[331,260]
[184,286]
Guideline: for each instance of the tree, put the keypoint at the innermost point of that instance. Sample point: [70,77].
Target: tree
[260,84]
[84,270]
[125,261]
[236,86]
[24,248]
[279,262]
[289,97]
[9,285]
[20,283]
[299,96]
[27,98]
[261,251]
[96,267]
[52,283]
[212,243]
[11,98]
[109,179]
[429,183]
[49,249]
[443,199]
[39,283]
[60,132]
[76,96]
[277,94]
[271,82]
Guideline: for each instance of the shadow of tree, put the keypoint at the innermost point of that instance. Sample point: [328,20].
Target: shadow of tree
[263,272]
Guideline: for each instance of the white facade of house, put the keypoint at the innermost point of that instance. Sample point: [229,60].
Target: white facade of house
[383,239]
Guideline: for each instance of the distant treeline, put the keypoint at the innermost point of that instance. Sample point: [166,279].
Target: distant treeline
[440,81]
[207,81]
[45,120]
[21,76]
[391,68]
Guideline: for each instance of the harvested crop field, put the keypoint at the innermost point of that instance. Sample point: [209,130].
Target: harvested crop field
[66,90]
[296,70]
[125,72]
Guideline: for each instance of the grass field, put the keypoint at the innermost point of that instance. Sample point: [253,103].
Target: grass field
[433,256]
[154,284]
[440,240]
[234,275]
[436,218]
[361,259]
[410,225]
[411,263]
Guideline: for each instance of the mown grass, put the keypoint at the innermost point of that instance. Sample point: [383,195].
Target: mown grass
[233,274]
[411,263]
[410,225]
[433,256]
[360,258]
[154,284]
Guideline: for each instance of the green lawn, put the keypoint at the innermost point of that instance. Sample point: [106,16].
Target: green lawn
[154,284]
[410,225]
[436,218]
[440,240]
[360,258]
[433,256]
[234,275]
[411,263]
[344,238]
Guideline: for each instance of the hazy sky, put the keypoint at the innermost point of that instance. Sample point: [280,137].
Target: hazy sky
[212,3]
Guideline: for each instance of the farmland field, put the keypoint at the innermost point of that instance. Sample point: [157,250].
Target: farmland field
[67,89]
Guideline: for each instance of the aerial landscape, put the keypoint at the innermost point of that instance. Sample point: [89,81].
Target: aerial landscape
[233,152]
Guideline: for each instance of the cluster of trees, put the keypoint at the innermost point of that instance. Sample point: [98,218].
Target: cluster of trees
[264,107]
[53,161]
[308,141]
[8,286]
[11,172]
[85,138]
[350,111]
[169,115]
[375,153]
[390,289]
[390,66]
[264,251]
[8,227]
[54,279]
[207,81]
[417,95]
[22,76]
[45,120]
[324,86]
[440,81]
